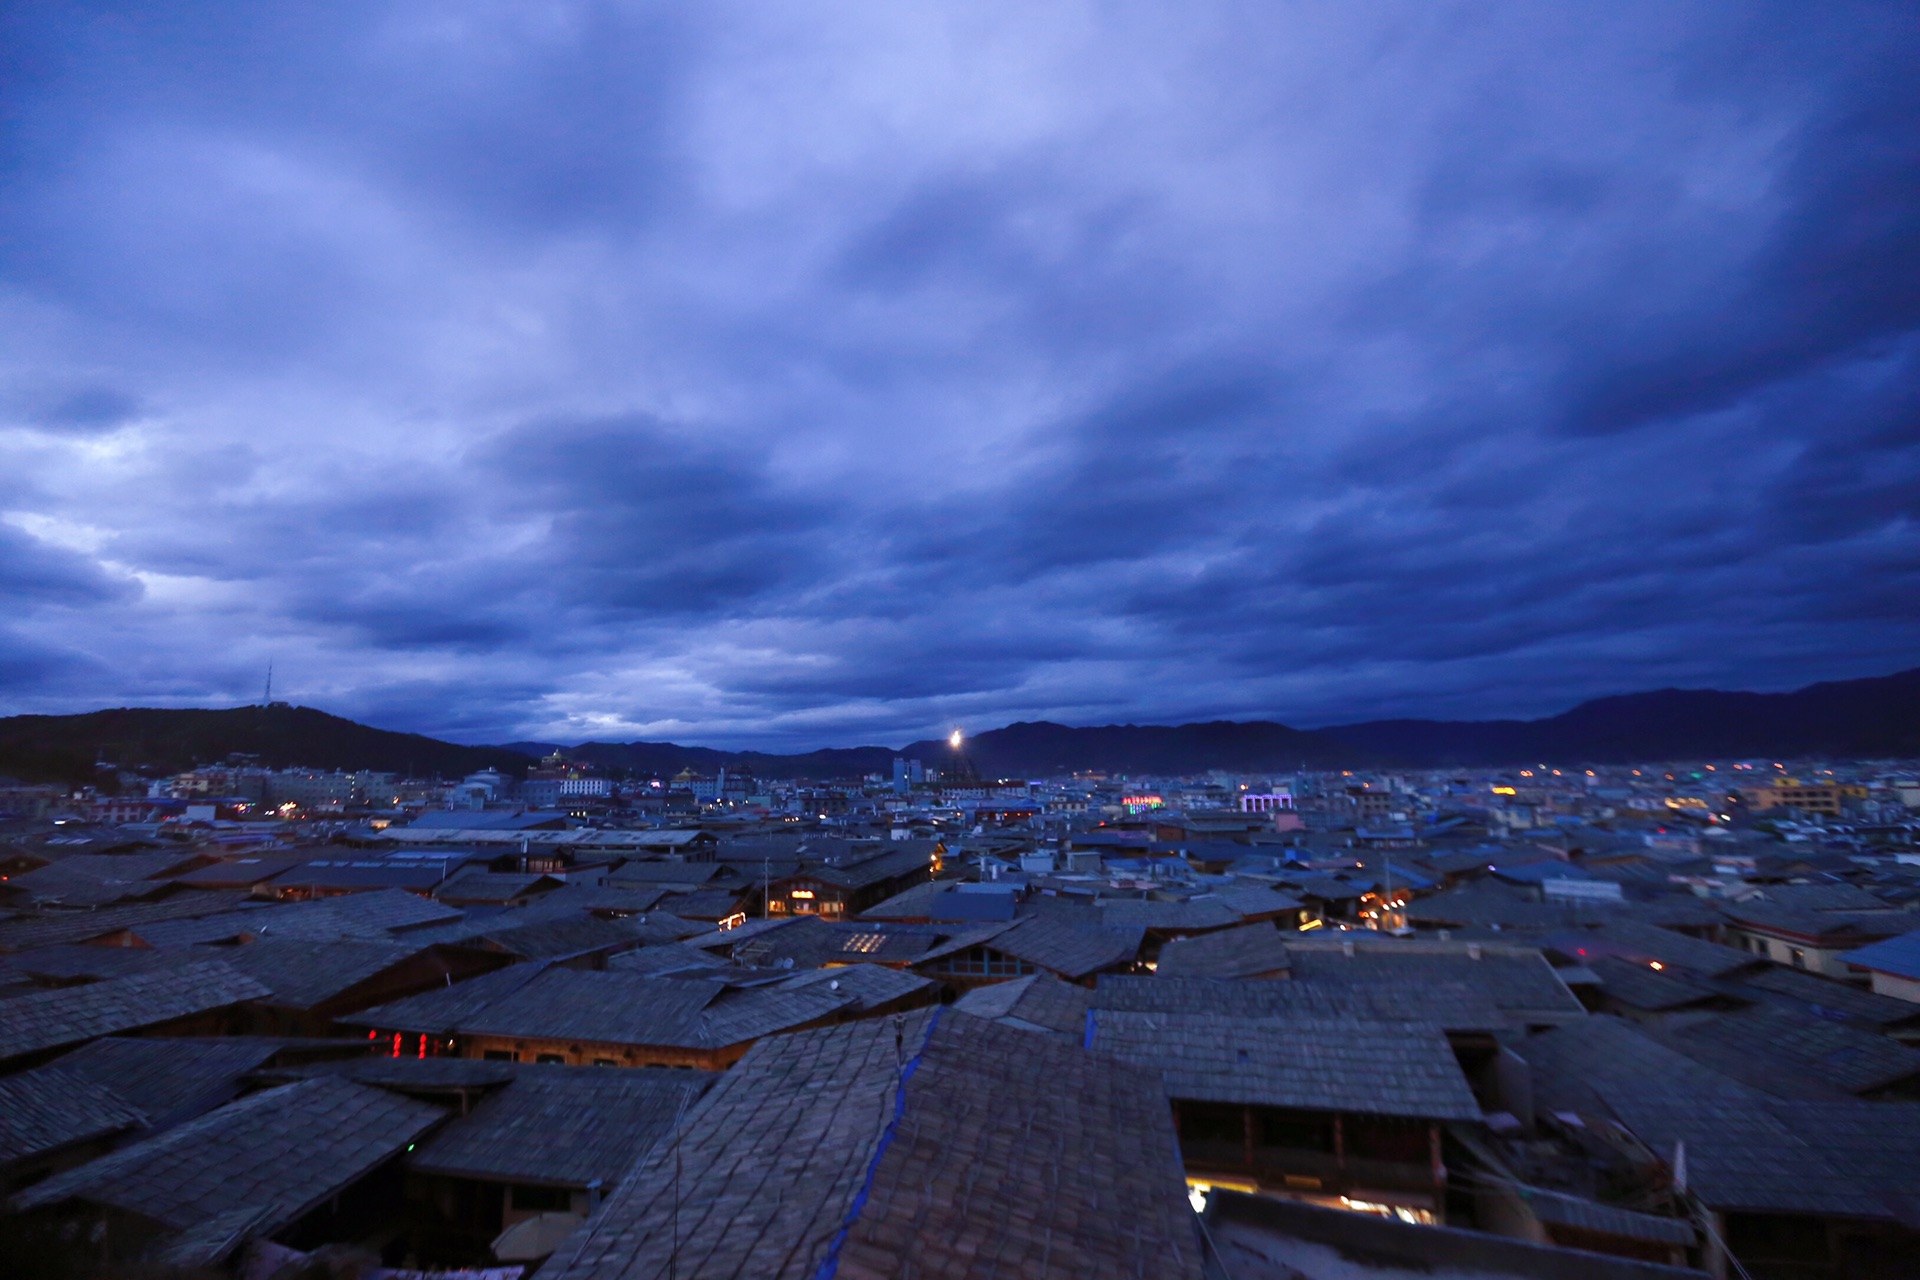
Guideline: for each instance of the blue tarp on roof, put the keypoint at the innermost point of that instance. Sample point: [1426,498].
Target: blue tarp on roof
[1898,956]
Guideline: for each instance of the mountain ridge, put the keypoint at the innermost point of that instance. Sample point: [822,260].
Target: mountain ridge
[1878,716]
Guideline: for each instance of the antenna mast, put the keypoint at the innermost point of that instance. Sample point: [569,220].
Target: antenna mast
[266,699]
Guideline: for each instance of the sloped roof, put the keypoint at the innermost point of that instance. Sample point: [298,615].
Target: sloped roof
[1824,997]
[1518,980]
[24,932]
[614,1006]
[374,914]
[276,1153]
[1057,945]
[1454,1006]
[885,865]
[166,1077]
[1067,1160]
[1037,1002]
[480,885]
[52,1019]
[562,1126]
[300,973]
[44,1110]
[1832,928]
[668,957]
[1740,1154]
[870,985]
[1306,1063]
[442,1012]
[1634,940]
[559,937]
[1228,953]
[1197,913]
[1822,897]
[1784,1052]
[1898,956]
[609,1007]
[918,902]
[1654,990]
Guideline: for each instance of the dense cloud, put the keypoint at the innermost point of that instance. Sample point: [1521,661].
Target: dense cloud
[779,377]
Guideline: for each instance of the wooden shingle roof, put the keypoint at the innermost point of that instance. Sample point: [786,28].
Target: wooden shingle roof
[44,1110]
[562,1126]
[1311,1064]
[274,1154]
[46,1020]
[1229,953]
[923,1144]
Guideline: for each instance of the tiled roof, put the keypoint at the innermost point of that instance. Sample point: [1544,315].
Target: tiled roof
[1740,1154]
[1654,990]
[1563,1210]
[870,985]
[1454,1006]
[79,926]
[443,1011]
[1633,940]
[1821,897]
[1314,1064]
[554,939]
[1518,980]
[884,866]
[911,904]
[1823,997]
[277,1153]
[564,1126]
[52,1019]
[671,957]
[97,879]
[665,871]
[1071,950]
[170,1078]
[1781,1051]
[358,915]
[1038,1002]
[1832,928]
[44,1110]
[1484,903]
[899,1146]
[1199,913]
[301,973]
[1252,900]
[1229,953]
[737,1017]
[77,960]
[489,886]
[610,1007]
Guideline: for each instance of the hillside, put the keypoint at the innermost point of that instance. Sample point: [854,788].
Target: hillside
[668,758]
[66,747]
[1041,748]
[1875,717]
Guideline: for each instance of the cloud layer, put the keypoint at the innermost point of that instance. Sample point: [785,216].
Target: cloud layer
[786,377]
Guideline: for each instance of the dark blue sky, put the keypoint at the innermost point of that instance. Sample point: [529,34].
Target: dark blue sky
[788,375]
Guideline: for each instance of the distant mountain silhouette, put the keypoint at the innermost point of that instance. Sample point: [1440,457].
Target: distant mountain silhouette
[667,758]
[1874,717]
[1042,748]
[66,747]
